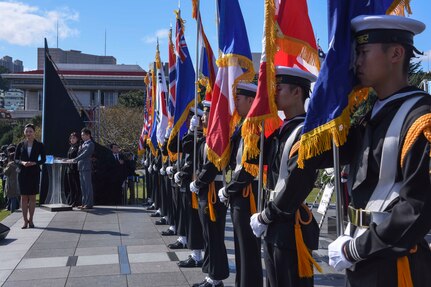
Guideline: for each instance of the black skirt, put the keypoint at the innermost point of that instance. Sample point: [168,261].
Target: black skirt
[28,180]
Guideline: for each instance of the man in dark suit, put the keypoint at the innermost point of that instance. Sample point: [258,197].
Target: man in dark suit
[83,159]
[119,172]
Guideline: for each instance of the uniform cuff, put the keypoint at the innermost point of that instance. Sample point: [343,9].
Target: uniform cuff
[351,251]
[263,218]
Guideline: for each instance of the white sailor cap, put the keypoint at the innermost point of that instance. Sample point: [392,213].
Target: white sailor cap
[199,113]
[206,105]
[385,29]
[295,76]
[246,89]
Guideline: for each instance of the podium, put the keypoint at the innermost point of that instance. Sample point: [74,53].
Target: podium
[56,197]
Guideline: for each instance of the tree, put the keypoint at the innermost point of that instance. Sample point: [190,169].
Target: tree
[132,99]
[416,75]
[122,126]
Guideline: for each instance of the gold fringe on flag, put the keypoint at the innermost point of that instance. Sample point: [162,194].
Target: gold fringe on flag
[246,64]
[164,158]
[320,139]
[153,150]
[421,126]
[212,199]
[177,127]
[251,168]
[305,260]
[252,126]
[399,7]
[300,48]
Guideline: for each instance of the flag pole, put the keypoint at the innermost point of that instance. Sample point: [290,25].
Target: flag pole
[195,132]
[260,179]
[337,186]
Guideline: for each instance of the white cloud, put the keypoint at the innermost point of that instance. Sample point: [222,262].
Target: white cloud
[160,34]
[26,25]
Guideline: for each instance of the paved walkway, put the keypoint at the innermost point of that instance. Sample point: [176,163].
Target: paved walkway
[108,246]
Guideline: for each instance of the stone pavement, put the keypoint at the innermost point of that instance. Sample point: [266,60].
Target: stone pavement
[108,246]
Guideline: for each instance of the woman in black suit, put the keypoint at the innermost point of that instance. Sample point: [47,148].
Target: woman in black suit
[73,190]
[29,155]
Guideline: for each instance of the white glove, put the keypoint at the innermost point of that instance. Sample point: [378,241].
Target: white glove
[163,171]
[168,132]
[146,162]
[177,178]
[170,170]
[336,255]
[257,227]
[193,187]
[221,195]
[194,123]
[154,167]
[150,170]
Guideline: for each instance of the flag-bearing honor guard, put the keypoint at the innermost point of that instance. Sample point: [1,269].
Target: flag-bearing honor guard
[290,230]
[241,193]
[212,212]
[390,212]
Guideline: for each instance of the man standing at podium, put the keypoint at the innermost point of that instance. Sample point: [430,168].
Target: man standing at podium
[83,159]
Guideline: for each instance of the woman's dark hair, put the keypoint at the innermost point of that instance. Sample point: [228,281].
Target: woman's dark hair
[31,126]
[77,135]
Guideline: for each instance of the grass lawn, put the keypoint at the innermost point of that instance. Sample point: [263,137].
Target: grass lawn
[311,197]
[3,214]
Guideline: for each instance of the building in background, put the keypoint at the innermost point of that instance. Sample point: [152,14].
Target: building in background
[12,66]
[91,80]
[72,57]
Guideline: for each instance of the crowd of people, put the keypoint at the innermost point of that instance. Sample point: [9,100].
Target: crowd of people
[389,212]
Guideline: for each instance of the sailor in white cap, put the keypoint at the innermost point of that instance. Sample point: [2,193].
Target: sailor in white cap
[287,188]
[390,213]
[212,212]
[241,193]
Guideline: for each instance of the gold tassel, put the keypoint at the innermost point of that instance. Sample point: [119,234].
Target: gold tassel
[404,275]
[248,192]
[194,201]
[421,126]
[305,260]
[211,201]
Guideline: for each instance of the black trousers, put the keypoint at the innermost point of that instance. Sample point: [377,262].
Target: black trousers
[247,246]
[182,212]
[175,204]
[148,185]
[156,189]
[163,193]
[73,189]
[215,260]
[282,267]
[170,215]
[195,238]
